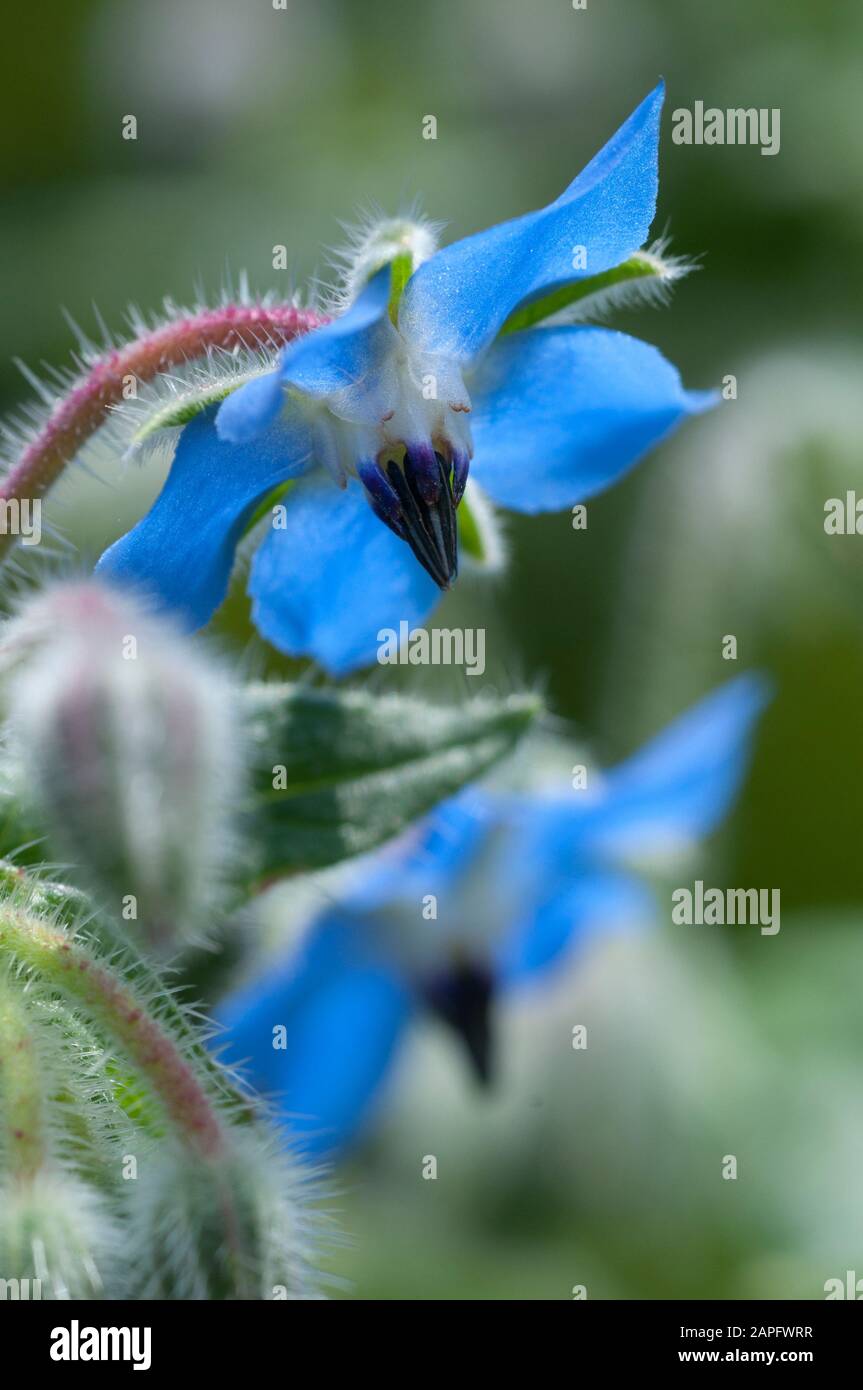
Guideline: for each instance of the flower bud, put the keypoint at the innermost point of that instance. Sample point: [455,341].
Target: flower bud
[380,241]
[123,734]
[58,1239]
[234,1226]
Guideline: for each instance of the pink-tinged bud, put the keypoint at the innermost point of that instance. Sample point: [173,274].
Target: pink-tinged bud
[124,737]
[238,1226]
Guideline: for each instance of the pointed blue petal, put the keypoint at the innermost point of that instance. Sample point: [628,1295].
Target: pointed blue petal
[180,555]
[676,789]
[326,584]
[456,302]
[347,357]
[342,352]
[681,784]
[250,409]
[428,858]
[563,883]
[344,1013]
[593,904]
[561,413]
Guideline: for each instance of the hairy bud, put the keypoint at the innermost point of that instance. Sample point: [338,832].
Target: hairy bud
[58,1239]
[124,735]
[379,241]
[237,1226]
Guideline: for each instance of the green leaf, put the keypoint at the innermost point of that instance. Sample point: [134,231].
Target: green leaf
[401,269]
[336,773]
[643,266]
[187,404]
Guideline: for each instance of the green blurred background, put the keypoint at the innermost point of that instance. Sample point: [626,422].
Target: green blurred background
[260,127]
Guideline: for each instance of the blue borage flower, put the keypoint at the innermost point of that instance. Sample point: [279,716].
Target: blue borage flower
[379,416]
[520,881]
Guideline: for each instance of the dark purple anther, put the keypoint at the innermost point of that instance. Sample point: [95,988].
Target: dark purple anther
[400,498]
[460,470]
[423,470]
[463,997]
[381,494]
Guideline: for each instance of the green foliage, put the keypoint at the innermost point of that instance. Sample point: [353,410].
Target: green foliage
[336,773]
[131,1165]
[600,288]
[186,405]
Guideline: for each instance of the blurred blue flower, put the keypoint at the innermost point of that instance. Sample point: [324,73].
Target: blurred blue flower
[518,882]
[379,415]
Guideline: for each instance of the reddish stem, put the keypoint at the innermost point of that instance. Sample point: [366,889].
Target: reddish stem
[69,966]
[77,416]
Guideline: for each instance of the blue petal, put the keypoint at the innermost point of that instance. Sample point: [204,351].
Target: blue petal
[326,584]
[344,1013]
[347,355]
[181,553]
[676,789]
[431,857]
[250,409]
[342,352]
[561,413]
[456,302]
[563,881]
[681,785]
[595,903]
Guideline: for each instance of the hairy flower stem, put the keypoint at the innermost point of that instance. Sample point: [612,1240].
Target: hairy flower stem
[20,1088]
[78,415]
[71,968]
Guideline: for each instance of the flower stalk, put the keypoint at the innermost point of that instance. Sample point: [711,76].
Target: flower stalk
[216,1212]
[78,415]
[113,1006]
[20,1087]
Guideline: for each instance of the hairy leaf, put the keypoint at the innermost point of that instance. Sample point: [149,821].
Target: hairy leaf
[336,773]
